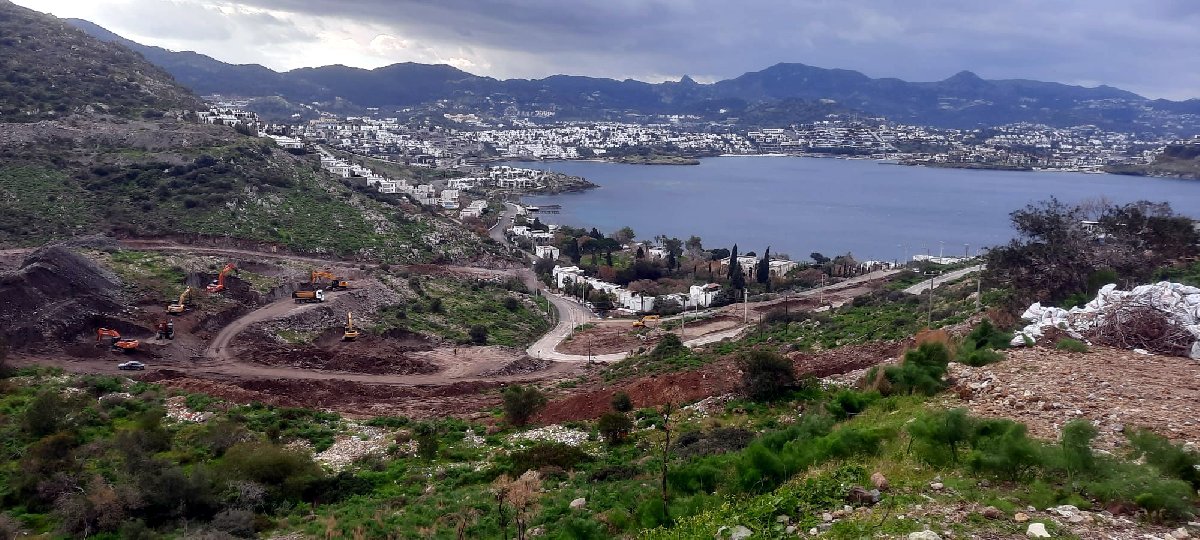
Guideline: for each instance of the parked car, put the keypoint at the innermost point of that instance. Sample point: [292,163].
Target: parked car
[132,364]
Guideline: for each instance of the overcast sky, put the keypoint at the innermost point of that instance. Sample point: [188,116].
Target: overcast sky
[1151,47]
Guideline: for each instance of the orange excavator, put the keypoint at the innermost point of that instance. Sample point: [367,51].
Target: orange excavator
[218,284]
[334,283]
[117,342]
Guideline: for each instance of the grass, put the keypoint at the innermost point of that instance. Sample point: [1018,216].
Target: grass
[448,308]
[39,205]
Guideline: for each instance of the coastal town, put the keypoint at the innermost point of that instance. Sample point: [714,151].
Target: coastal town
[465,142]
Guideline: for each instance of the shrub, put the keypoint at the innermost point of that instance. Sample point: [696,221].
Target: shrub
[235,522]
[921,372]
[1076,446]
[621,402]
[268,464]
[1071,345]
[521,403]
[1005,451]
[614,426]
[1172,460]
[44,415]
[939,435]
[478,334]
[985,335]
[848,403]
[766,374]
[543,455]
[427,441]
[511,303]
[669,345]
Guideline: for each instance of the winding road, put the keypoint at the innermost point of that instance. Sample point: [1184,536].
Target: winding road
[938,281]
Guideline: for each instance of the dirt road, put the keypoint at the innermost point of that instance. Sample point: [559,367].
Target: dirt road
[218,348]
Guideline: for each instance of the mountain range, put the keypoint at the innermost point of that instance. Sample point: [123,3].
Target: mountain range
[964,100]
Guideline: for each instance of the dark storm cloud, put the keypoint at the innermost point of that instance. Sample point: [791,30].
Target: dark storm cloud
[1150,47]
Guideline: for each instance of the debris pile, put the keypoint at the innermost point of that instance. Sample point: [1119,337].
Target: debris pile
[1161,318]
[56,293]
[553,433]
[178,411]
[347,449]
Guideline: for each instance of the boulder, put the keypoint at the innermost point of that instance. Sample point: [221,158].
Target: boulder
[879,481]
[578,503]
[1037,530]
[924,535]
[1021,517]
[992,512]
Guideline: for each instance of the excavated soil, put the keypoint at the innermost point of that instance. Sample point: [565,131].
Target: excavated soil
[611,337]
[1117,390]
[347,397]
[57,294]
[718,378]
[368,354]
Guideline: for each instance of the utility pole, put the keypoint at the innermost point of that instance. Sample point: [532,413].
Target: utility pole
[745,306]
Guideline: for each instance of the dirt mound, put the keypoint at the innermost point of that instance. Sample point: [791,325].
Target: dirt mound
[56,294]
[358,398]
[368,354]
[521,366]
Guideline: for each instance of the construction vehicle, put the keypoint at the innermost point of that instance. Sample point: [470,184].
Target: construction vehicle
[641,323]
[351,333]
[218,284]
[166,329]
[334,283]
[182,305]
[117,342]
[309,297]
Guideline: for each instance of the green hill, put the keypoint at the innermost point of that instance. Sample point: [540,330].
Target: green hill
[95,139]
[52,69]
[1175,161]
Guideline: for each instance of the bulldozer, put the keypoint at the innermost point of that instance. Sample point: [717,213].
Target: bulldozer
[335,284]
[309,297]
[218,284]
[166,329]
[117,342]
[641,323]
[182,305]
[351,332]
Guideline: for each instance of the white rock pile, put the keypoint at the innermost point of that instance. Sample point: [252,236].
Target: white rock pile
[1180,303]
[553,433]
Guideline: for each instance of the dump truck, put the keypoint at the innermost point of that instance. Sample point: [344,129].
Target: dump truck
[309,297]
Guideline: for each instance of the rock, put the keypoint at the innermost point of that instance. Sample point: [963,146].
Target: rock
[924,535]
[813,531]
[992,512]
[578,503]
[861,496]
[537,531]
[937,486]
[879,481]
[791,529]
[1021,517]
[1180,533]
[740,533]
[1037,530]
[783,519]
[826,517]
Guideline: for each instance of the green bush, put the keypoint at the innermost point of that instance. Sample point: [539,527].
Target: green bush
[766,374]
[921,371]
[669,345]
[1076,446]
[542,455]
[614,426]
[849,403]
[427,440]
[478,334]
[621,402]
[1004,450]
[1071,345]
[938,436]
[46,414]
[521,403]
[284,471]
[1172,460]
[985,335]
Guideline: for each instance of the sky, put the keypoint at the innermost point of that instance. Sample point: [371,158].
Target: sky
[1151,47]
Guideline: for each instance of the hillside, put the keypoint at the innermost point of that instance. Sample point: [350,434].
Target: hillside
[52,70]
[964,100]
[1175,161]
[85,147]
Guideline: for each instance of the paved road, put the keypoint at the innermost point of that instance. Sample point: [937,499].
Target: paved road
[505,221]
[938,281]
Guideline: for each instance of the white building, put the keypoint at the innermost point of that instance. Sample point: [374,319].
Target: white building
[546,252]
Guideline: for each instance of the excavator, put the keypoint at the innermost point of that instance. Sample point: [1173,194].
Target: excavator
[117,342]
[181,306]
[166,329]
[641,323]
[351,333]
[218,284]
[334,283]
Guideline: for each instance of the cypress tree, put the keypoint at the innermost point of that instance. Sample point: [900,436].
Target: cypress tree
[763,274]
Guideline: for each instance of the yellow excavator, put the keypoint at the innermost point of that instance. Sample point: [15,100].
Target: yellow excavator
[641,323]
[181,306]
[351,333]
[334,283]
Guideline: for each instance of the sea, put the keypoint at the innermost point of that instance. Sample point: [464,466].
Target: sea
[800,205]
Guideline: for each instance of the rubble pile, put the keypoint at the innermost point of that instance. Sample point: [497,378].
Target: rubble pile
[178,411]
[347,449]
[553,433]
[1163,317]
